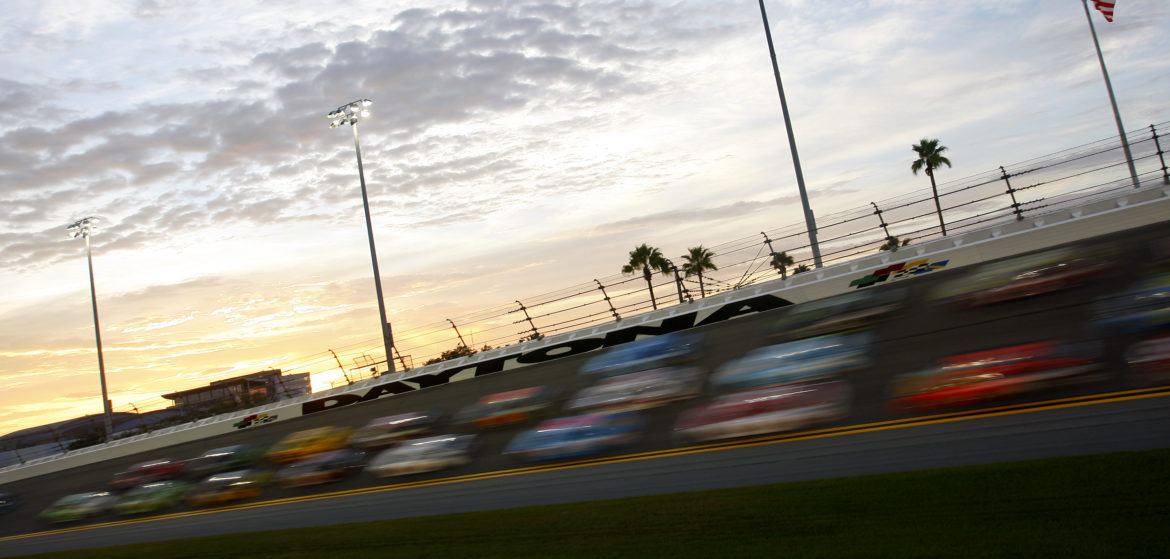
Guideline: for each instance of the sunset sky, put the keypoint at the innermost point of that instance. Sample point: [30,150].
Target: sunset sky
[515,148]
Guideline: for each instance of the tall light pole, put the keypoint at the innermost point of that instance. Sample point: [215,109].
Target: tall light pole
[810,221]
[350,113]
[84,227]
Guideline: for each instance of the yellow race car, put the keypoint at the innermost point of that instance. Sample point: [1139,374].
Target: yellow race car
[304,444]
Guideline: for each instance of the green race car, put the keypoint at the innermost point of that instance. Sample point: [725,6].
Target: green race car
[150,497]
[76,507]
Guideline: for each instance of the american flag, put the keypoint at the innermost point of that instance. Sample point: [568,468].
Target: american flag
[1105,7]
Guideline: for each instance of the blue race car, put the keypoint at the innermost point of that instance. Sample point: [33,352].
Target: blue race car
[576,436]
[803,360]
[650,353]
[1144,306]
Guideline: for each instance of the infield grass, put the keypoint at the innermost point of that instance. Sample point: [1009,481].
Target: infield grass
[1108,505]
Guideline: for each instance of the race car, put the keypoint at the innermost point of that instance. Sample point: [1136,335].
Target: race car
[766,410]
[644,389]
[78,506]
[146,472]
[675,348]
[801,360]
[234,457]
[150,497]
[385,431]
[503,408]
[1150,357]
[1024,276]
[303,444]
[8,502]
[423,455]
[991,375]
[1145,305]
[841,313]
[321,468]
[225,487]
[576,436]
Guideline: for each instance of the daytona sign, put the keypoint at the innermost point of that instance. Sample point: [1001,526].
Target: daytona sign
[550,352]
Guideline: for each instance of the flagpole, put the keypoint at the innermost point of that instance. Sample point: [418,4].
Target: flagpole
[810,221]
[1112,100]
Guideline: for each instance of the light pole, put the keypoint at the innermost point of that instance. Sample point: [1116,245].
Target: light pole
[350,113]
[84,227]
[810,220]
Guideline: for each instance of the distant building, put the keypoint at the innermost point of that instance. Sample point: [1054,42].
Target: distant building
[218,397]
[242,392]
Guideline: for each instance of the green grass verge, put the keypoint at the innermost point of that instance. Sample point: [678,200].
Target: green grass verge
[1109,505]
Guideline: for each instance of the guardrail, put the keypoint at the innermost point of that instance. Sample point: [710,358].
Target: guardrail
[1115,214]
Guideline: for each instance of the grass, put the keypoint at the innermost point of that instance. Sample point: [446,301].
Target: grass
[1109,505]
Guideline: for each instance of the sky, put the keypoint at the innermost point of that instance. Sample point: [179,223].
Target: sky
[514,148]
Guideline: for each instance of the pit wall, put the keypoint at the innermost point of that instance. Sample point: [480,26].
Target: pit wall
[1112,215]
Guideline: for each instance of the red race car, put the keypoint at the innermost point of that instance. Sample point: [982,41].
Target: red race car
[1025,276]
[146,472]
[991,375]
[766,410]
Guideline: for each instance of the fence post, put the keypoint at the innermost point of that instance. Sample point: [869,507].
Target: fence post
[1158,145]
[771,252]
[1012,192]
[402,359]
[882,221]
[677,281]
[461,342]
[535,333]
[616,316]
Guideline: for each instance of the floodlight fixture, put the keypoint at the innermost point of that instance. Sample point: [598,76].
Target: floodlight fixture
[83,227]
[350,113]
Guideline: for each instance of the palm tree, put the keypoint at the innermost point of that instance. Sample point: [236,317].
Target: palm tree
[892,243]
[781,261]
[647,259]
[930,157]
[696,260]
[799,269]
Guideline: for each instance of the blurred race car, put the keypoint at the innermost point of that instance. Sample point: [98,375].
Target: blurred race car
[78,506]
[8,501]
[513,406]
[576,436]
[146,472]
[853,310]
[1024,276]
[423,455]
[235,457]
[303,444]
[995,374]
[1150,356]
[150,497]
[801,360]
[1144,306]
[385,431]
[644,389]
[321,468]
[675,348]
[766,410]
[225,487]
